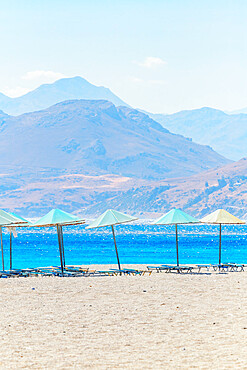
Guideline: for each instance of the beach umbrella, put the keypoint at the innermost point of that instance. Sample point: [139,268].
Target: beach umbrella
[59,218]
[221,217]
[13,221]
[3,222]
[111,218]
[175,217]
[21,220]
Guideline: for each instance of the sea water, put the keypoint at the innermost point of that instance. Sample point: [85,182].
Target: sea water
[137,244]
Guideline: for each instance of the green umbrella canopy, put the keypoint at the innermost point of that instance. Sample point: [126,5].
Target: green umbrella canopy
[174,217]
[19,217]
[58,217]
[5,221]
[110,218]
[12,218]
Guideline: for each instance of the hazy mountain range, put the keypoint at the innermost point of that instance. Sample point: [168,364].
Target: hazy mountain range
[49,94]
[225,133]
[92,154]
[95,137]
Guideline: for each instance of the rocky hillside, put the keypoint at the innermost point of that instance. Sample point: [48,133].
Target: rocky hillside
[33,193]
[96,138]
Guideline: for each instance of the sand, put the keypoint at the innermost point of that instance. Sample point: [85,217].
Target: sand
[125,322]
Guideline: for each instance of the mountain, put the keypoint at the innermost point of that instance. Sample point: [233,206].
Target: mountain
[95,137]
[198,195]
[33,193]
[49,94]
[225,133]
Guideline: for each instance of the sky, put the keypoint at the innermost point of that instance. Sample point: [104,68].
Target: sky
[162,56]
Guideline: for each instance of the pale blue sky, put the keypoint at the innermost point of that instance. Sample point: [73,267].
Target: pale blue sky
[162,56]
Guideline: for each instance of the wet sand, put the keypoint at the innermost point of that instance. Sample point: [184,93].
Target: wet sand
[161,321]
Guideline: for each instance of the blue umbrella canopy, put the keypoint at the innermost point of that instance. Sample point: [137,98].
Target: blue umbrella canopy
[110,218]
[175,217]
[58,217]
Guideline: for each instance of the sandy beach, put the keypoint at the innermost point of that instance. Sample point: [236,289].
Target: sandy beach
[180,321]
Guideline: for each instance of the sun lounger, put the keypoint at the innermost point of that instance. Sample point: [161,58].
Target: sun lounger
[140,272]
[5,274]
[179,269]
[105,273]
[13,273]
[128,271]
[228,267]
[234,266]
[171,268]
[123,271]
[207,267]
[71,271]
[76,268]
[154,268]
[222,267]
[160,268]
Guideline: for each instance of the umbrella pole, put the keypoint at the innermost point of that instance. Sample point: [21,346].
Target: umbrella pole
[60,248]
[59,239]
[61,235]
[220,246]
[10,249]
[113,233]
[177,243]
[1,236]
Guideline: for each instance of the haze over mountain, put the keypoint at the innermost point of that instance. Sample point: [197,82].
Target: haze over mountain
[95,137]
[49,94]
[238,111]
[92,154]
[225,133]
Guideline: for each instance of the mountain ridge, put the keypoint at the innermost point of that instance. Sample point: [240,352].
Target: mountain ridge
[63,89]
[97,137]
[225,133]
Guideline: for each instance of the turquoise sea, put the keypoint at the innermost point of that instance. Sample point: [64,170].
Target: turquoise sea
[137,244]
